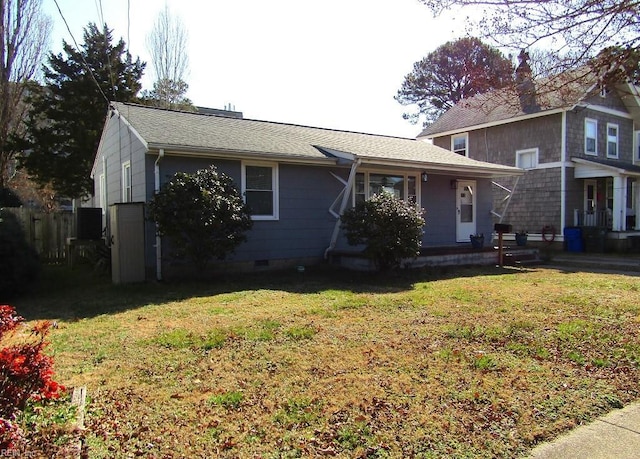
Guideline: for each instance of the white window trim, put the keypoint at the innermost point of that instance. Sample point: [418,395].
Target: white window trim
[586,121]
[614,125]
[466,142]
[103,193]
[275,185]
[404,174]
[520,153]
[127,166]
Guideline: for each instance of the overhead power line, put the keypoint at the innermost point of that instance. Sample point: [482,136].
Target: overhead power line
[84,61]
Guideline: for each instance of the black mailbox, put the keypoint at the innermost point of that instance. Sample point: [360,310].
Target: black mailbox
[502,228]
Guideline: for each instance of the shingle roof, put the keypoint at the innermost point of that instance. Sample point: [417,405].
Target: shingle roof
[558,92]
[183,131]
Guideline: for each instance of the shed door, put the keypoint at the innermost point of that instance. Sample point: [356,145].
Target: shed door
[465,210]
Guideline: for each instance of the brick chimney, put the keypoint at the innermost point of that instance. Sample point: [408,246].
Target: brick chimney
[524,85]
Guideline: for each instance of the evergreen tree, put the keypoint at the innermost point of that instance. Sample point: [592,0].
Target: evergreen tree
[454,71]
[67,115]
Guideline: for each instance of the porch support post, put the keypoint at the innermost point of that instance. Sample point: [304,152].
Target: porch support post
[619,202]
[345,199]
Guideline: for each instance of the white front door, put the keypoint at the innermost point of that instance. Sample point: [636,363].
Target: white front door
[465,210]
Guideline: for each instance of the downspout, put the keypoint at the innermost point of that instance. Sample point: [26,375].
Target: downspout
[563,172]
[345,199]
[156,170]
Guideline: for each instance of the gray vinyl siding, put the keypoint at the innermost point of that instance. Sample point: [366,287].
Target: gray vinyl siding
[118,146]
[305,225]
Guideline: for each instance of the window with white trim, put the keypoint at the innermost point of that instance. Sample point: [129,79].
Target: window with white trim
[612,140]
[590,137]
[459,143]
[103,194]
[260,190]
[126,182]
[527,159]
[402,186]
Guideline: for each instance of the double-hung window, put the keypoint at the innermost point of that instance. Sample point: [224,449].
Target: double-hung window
[260,190]
[527,159]
[459,144]
[103,193]
[612,140]
[127,195]
[590,137]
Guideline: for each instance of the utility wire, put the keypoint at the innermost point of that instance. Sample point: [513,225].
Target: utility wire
[84,61]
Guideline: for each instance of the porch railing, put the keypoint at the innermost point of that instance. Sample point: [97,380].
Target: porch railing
[600,218]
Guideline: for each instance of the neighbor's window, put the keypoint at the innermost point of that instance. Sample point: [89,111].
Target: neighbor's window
[590,137]
[126,182]
[459,144]
[103,194]
[527,159]
[260,190]
[401,186]
[612,140]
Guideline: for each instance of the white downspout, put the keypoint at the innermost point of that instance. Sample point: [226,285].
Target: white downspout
[345,199]
[156,188]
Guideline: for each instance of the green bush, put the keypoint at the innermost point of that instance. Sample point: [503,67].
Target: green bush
[20,266]
[202,214]
[390,229]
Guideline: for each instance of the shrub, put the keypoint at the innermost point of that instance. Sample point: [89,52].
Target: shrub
[19,267]
[25,374]
[203,215]
[390,229]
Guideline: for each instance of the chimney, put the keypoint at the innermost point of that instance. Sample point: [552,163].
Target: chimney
[524,85]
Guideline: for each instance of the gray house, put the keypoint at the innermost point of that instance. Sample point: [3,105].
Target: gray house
[577,140]
[297,179]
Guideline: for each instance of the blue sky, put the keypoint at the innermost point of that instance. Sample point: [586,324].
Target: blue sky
[334,64]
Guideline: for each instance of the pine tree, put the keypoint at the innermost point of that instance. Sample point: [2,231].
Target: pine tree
[68,112]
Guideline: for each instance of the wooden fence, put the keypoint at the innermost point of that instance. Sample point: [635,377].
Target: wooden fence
[46,232]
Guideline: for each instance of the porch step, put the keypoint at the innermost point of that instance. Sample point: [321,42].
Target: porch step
[520,257]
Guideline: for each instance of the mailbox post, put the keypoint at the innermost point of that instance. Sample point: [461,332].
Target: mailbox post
[501,228]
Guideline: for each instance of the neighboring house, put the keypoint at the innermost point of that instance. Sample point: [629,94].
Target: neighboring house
[297,179]
[578,142]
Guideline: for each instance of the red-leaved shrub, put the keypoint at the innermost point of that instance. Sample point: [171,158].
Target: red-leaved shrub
[25,372]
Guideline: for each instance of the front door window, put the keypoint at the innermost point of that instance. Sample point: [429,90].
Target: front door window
[466,210]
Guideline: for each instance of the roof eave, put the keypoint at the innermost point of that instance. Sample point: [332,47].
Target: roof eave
[447,168]
[204,152]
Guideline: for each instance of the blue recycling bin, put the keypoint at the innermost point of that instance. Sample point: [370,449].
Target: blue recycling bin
[573,239]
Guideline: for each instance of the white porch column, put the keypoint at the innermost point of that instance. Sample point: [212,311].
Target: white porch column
[619,202]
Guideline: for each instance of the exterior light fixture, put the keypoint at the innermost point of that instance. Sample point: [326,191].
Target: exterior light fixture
[424,176]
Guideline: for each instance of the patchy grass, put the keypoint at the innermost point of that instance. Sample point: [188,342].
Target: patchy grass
[481,363]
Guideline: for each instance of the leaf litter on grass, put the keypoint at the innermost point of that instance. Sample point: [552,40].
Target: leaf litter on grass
[483,365]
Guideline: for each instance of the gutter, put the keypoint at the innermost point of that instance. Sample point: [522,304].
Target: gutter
[156,171]
[345,199]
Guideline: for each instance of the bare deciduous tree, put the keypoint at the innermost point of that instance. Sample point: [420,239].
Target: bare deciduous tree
[167,44]
[578,30]
[24,34]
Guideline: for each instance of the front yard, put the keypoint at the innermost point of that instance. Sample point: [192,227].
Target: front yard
[473,362]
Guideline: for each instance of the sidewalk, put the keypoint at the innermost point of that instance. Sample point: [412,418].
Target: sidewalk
[613,436]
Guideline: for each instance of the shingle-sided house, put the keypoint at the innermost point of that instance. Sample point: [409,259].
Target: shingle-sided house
[578,142]
[297,179]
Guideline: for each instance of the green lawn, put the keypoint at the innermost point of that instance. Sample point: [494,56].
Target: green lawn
[469,362]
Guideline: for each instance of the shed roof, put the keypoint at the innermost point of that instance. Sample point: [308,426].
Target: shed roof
[194,133]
